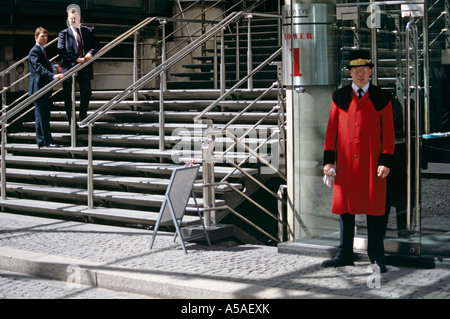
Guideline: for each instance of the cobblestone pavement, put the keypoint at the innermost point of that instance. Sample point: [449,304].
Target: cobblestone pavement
[120,259]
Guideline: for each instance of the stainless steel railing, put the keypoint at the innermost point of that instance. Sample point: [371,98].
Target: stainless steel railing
[134,87]
[412,220]
[138,84]
[7,115]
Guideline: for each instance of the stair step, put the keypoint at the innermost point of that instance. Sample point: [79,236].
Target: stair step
[207,93]
[44,207]
[189,116]
[79,194]
[152,128]
[115,153]
[257,83]
[120,153]
[183,139]
[179,104]
[81,211]
[100,180]
[163,169]
[231,74]
[135,216]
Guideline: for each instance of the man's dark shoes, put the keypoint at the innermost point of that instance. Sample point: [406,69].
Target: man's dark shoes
[52,145]
[338,262]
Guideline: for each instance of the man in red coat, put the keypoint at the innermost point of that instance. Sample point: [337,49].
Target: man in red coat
[359,146]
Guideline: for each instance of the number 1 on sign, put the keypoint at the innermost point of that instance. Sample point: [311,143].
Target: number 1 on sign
[296,61]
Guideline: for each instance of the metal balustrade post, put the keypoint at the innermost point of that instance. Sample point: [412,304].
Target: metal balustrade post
[238,68]
[90,171]
[411,223]
[215,62]
[3,137]
[3,161]
[223,85]
[162,88]
[73,115]
[135,64]
[208,175]
[249,51]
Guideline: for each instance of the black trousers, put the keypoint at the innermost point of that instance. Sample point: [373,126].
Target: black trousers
[42,120]
[375,235]
[84,84]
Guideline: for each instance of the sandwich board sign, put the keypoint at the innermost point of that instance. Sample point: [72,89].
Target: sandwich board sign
[176,199]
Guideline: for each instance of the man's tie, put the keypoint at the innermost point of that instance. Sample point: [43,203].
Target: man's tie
[45,53]
[80,45]
[360,93]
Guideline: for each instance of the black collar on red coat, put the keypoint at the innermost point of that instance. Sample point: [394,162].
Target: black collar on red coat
[343,96]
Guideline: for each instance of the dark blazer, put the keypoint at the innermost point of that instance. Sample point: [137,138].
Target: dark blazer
[40,70]
[40,75]
[68,51]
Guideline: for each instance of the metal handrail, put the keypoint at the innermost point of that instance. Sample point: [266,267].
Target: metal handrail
[209,158]
[18,108]
[91,119]
[158,70]
[74,70]
[186,24]
[238,84]
[11,67]
[410,225]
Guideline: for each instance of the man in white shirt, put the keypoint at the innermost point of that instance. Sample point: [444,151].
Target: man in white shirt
[77,44]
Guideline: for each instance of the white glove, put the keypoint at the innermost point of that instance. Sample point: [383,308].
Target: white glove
[329,180]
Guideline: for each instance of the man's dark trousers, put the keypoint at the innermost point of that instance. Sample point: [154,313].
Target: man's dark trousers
[84,84]
[375,235]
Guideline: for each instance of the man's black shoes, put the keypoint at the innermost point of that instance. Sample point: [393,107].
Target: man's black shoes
[50,146]
[338,262]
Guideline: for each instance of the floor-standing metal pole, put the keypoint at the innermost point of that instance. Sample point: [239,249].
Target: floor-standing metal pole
[135,64]
[90,171]
[73,116]
[3,137]
[223,84]
[162,88]
[3,161]
[408,128]
[249,51]
[410,222]
[208,175]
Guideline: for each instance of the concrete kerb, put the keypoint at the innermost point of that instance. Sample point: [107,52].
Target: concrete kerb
[156,284]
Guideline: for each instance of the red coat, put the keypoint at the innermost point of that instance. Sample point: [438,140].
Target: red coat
[359,138]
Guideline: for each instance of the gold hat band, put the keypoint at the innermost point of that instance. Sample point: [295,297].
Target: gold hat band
[357,62]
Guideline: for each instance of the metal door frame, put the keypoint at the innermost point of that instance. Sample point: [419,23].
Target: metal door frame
[412,57]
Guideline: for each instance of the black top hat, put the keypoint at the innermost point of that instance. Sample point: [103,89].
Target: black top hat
[359,58]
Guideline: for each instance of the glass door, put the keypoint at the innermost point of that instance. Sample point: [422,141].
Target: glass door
[398,34]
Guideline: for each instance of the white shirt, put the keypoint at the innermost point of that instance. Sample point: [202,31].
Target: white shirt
[75,33]
[364,88]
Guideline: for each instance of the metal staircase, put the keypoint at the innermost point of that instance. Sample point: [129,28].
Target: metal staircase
[382,29]
[241,56]
[129,153]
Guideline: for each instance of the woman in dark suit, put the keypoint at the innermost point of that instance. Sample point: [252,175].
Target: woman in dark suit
[40,75]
